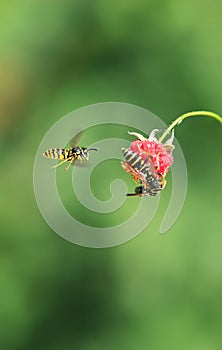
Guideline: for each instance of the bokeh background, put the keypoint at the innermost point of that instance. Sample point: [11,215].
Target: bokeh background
[155,292]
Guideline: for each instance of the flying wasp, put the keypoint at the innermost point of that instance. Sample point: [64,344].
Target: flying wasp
[144,174]
[73,154]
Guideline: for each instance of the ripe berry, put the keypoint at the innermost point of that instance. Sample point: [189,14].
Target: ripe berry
[160,154]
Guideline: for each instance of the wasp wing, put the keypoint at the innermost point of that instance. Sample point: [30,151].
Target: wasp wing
[74,142]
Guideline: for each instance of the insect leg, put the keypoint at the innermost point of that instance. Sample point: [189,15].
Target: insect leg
[58,164]
[129,169]
[164,182]
[79,158]
[157,161]
[71,161]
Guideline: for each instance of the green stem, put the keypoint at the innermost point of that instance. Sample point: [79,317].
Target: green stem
[186,115]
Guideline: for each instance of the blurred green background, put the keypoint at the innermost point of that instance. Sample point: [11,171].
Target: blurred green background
[154,292]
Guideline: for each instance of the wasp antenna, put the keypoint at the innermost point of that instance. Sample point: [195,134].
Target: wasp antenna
[92,149]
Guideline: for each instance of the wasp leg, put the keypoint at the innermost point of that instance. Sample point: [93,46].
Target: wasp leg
[158,161]
[164,182]
[136,180]
[79,158]
[55,166]
[71,161]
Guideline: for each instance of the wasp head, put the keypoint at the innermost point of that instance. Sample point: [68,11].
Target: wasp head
[85,152]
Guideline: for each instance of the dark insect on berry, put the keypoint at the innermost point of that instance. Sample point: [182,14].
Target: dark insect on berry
[144,174]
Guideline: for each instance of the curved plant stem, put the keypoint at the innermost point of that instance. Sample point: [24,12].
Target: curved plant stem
[186,115]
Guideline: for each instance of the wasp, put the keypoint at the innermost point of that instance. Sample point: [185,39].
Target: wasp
[73,154]
[144,174]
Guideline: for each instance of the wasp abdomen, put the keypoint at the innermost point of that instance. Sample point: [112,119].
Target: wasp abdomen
[134,159]
[57,153]
[144,171]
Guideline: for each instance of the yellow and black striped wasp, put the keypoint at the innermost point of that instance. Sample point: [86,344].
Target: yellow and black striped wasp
[73,154]
[143,173]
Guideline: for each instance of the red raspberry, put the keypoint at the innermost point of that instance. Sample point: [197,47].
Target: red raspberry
[161,155]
